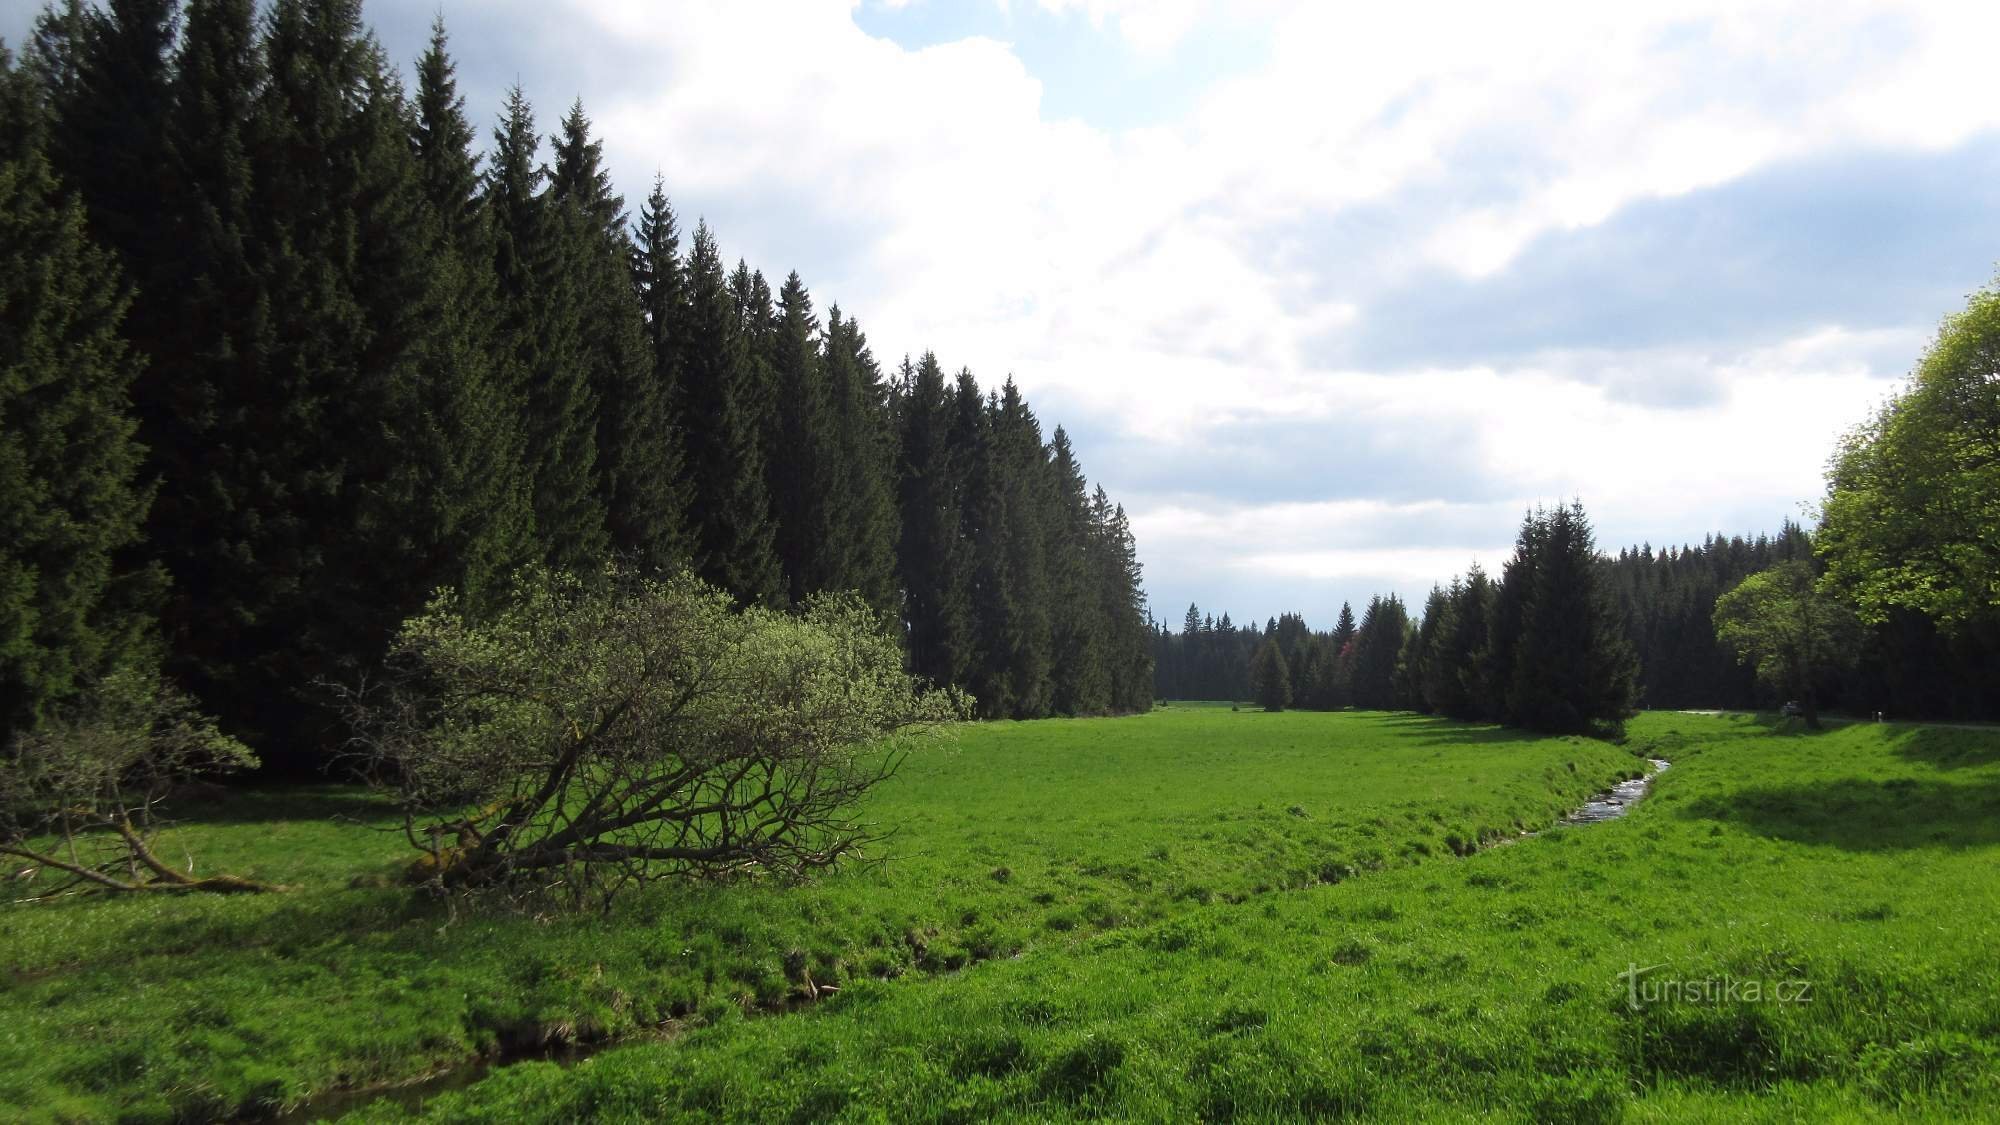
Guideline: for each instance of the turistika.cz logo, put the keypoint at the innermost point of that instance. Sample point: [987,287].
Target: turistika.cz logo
[1641,989]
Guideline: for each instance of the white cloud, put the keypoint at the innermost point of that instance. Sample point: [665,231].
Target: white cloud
[1163,282]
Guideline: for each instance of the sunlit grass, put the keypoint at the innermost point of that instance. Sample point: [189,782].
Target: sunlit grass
[1036,840]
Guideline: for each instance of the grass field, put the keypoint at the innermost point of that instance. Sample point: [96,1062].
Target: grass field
[1190,913]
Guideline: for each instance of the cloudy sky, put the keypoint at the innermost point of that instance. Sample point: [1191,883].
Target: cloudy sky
[1328,294]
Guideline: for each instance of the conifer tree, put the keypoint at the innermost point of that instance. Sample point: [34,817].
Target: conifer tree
[1435,678]
[466,461]
[861,492]
[1341,641]
[660,278]
[1378,648]
[1573,667]
[543,322]
[201,318]
[984,528]
[1022,480]
[932,558]
[639,460]
[1079,625]
[342,253]
[803,468]
[73,606]
[107,137]
[1270,678]
[1472,610]
[732,505]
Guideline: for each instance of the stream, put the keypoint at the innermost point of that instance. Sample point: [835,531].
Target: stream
[1609,805]
[1619,800]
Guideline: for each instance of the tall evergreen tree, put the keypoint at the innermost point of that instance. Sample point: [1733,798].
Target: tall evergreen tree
[1079,624]
[72,605]
[108,136]
[639,460]
[803,467]
[660,278]
[1270,679]
[862,491]
[1021,480]
[1378,648]
[466,463]
[544,322]
[1462,688]
[732,503]
[931,556]
[1573,667]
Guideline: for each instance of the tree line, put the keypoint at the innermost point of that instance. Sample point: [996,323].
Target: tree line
[1542,646]
[286,349]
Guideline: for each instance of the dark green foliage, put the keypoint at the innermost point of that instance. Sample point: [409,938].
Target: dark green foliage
[1460,685]
[73,606]
[107,137]
[1434,678]
[544,296]
[863,521]
[366,361]
[1079,631]
[1270,678]
[734,547]
[466,458]
[1378,648]
[1020,480]
[804,458]
[1573,668]
[639,463]
[936,571]
[660,278]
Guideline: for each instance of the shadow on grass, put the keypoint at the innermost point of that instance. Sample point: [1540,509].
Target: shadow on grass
[1949,749]
[1431,730]
[1863,816]
[305,802]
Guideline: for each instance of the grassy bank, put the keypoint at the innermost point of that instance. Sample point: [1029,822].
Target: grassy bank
[1028,845]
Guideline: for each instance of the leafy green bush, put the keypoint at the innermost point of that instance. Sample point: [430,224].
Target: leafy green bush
[592,735]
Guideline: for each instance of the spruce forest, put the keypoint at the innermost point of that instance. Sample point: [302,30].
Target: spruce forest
[325,346]
[471,650]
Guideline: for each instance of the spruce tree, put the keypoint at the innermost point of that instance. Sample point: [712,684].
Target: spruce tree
[204,317]
[1341,641]
[1573,667]
[1022,480]
[732,505]
[543,323]
[660,278]
[1463,689]
[1435,678]
[931,556]
[639,460]
[466,462]
[984,528]
[862,491]
[1378,648]
[1080,626]
[1270,677]
[108,133]
[805,458]
[73,605]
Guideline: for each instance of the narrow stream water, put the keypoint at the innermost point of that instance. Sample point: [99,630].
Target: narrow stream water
[1619,800]
[1609,805]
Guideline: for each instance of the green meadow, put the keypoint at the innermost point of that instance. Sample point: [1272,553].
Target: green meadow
[1193,913]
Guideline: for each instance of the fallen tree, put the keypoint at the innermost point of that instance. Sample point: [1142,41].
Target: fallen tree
[82,799]
[593,735]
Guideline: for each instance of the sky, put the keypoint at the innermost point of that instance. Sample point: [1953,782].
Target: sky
[1329,294]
